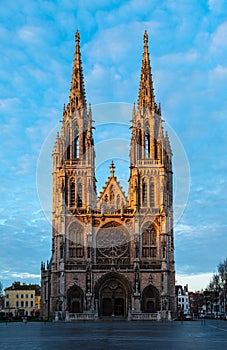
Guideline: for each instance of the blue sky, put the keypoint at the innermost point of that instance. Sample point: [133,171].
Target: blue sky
[188,51]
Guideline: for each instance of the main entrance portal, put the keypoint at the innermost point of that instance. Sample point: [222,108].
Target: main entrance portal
[112,295]
[113,301]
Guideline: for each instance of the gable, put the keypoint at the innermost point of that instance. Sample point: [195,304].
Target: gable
[112,195]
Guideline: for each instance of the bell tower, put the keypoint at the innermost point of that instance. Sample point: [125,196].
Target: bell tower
[74,183]
[150,152]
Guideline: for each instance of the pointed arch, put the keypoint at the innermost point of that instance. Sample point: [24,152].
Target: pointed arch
[149,241]
[150,301]
[79,194]
[75,298]
[75,240]
[76,146]
[152,193]
[147,141]
[72,192]
[144,192]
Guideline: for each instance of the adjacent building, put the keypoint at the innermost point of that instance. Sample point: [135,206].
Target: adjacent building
[112,254]
[183,305]
[20,299]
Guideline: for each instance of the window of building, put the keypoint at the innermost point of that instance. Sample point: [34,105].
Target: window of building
[22,304]
[79,195]
[72,192]
[17,296]
[152,201]
[149,249]
[17,303]
[76,241]
[26,303]
[7,304]
[22,296]
[7,296]
[76,147]
[26,296]
[147,144]
[31,303]
[31,295]
[144,193]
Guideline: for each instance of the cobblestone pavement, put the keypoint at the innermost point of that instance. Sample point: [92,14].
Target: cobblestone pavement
[114,335]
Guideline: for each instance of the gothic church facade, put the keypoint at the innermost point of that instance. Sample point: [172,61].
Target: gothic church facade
[112,255]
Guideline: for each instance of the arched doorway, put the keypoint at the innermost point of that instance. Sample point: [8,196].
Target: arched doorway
[75,299]
[113,299]
[150,302]
[113,295]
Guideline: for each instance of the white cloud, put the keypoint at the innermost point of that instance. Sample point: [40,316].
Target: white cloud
[196,282]
[218,40]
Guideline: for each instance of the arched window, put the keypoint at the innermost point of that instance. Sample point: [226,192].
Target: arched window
[149,249]
[66,190]
[68,152]
[161,156]
[144,193]
[152,200]
[139,140]
[155,149]
[111,195]
[72,192]
[147,144]
[79,195]
[76,147]
[76,242]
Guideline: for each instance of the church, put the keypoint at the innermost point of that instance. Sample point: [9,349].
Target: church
[112,254]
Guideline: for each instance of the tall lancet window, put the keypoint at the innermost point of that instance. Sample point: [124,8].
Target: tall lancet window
[72,192]
[144,193]
[79,195]
[155,149]
[152,200]
[147,144]
[139,141]
[149,244]
[76,147]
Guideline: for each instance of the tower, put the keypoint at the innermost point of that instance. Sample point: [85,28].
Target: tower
[112,256]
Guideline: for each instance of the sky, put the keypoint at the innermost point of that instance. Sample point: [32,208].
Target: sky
[188,52]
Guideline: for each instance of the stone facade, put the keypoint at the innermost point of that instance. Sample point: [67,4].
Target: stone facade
[112,256]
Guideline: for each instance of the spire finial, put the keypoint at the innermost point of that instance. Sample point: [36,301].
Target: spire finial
[145,38]
[112,167]
[77,36]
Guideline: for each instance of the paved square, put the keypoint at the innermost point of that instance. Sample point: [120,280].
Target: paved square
[114,335]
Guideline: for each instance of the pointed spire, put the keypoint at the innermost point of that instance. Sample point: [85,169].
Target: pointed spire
[77,98]
[146,97]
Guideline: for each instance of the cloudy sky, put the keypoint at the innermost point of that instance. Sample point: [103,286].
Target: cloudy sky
[188,51]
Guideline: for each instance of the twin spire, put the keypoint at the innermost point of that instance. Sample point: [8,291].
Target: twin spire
[146,98]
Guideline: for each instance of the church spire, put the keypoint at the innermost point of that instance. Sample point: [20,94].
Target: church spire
[77,98]
[146,97]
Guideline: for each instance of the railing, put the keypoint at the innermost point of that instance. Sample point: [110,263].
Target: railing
[87,316]
[149,162]
[144,317]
